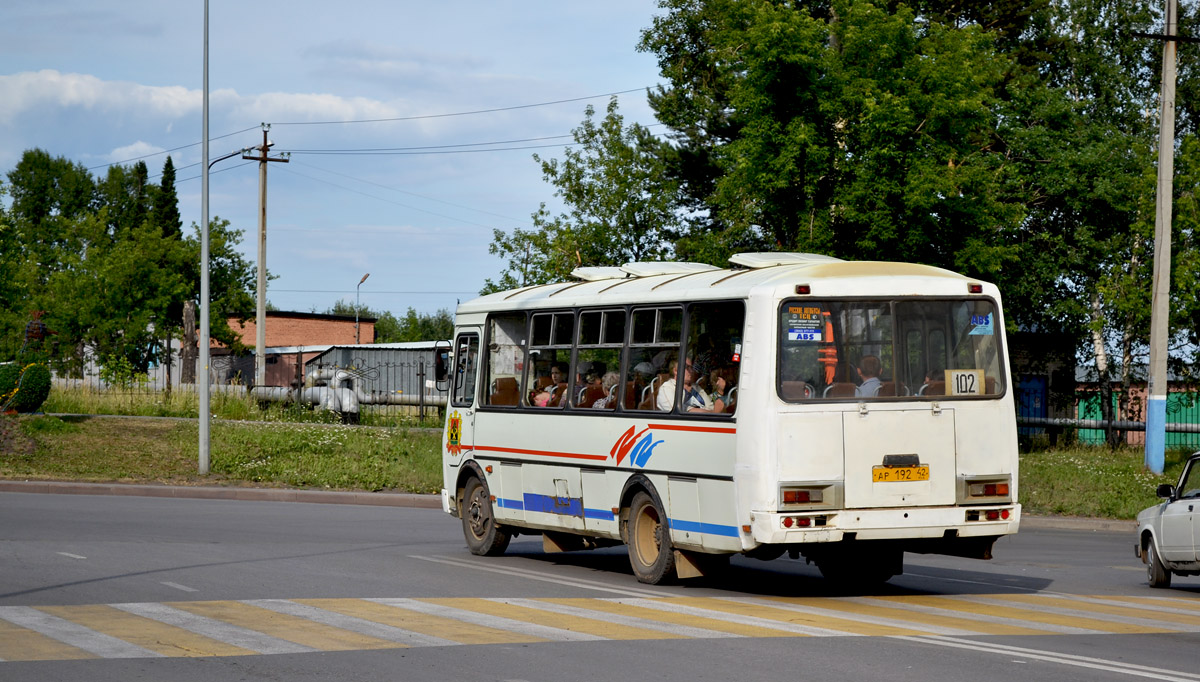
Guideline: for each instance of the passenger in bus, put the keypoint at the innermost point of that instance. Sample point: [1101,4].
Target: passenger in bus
[694,398]
[869,368]
[591,383]
[609,384]
[558,385]
[724,384]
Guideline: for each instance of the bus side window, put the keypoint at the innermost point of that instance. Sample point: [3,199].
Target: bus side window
[466,360]
[506,359]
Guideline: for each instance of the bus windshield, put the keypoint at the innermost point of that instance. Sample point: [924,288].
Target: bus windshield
[906,348]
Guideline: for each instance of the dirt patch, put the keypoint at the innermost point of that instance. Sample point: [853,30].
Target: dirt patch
[13,441]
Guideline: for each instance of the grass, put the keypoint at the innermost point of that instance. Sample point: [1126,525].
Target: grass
[272,454]
[225,402]
[1092,481]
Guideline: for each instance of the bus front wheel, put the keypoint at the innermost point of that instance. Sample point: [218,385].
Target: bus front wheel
[484,536]
[649,538]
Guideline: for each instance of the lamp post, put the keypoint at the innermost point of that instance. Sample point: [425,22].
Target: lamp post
[360,282]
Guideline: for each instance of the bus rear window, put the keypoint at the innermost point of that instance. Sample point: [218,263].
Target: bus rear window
[888,350]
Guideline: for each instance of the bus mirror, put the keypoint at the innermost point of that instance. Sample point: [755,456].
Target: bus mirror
[441,366]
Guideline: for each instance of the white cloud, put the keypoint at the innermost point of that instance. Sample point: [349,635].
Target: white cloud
[48,89]
[136,150]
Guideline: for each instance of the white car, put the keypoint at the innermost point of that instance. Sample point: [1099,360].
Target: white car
[1167,533]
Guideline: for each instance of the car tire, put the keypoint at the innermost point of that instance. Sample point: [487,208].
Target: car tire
[1157,574]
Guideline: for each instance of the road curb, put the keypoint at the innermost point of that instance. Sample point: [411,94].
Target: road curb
[224,493]
[383,499]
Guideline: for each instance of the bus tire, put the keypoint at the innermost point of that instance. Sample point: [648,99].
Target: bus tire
[650,552]
[484,536]
[1157,574]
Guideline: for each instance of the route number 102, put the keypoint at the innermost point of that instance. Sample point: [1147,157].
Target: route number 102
[966,381]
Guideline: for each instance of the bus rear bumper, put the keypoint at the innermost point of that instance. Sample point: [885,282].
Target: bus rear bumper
[912,523]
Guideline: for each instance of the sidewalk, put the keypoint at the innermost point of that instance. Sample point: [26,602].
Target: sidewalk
[401,499]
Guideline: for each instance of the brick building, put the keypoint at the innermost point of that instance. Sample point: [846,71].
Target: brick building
[305,329]
[291,340]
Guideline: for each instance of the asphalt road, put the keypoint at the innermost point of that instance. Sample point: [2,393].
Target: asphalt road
[138,588]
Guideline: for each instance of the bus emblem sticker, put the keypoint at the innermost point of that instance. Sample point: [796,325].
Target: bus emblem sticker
[454,434]
[637,445]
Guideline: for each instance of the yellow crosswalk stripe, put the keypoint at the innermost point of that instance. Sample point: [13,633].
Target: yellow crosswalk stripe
[739,629]
[20,644]
[1161,602]
[283,626]
[892,613]
[1115,610]
[437,626]
[597,627]
[797,617]
[150,634]
[1035,616]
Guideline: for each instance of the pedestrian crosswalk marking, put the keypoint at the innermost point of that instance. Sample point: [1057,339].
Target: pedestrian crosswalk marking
[272,626]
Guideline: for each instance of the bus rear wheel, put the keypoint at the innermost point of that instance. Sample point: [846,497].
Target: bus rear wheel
[484,536]
[650,552]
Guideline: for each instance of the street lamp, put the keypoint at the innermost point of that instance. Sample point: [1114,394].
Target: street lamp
[356,306]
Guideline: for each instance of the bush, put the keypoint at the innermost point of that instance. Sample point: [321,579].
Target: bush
[24,389]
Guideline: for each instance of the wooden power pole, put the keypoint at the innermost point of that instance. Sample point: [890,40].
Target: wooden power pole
[260,318]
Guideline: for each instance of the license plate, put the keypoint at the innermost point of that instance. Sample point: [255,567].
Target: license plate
[881,474]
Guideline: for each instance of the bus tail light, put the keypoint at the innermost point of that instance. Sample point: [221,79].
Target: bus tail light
[988,514]
[975,288]
[801,496]
[804,521]
[985,489]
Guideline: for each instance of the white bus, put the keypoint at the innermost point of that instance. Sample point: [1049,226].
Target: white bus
[795,403]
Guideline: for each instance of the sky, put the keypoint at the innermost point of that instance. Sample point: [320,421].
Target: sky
[481,86]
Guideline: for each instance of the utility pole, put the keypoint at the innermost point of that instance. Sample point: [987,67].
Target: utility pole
[1156,387]
[260,319]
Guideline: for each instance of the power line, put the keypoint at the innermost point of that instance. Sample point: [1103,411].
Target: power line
[373,291]
[463,113]
[168,151]
[389,201]
[403,191]
[351,152]
[436,146]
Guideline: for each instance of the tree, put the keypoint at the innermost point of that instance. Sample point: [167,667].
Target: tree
[412,327]
[852,129]
[618,208]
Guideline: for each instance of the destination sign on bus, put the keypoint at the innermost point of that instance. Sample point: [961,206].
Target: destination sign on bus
[804,323]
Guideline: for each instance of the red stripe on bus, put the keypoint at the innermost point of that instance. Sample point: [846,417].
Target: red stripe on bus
[544,453]
[697,429]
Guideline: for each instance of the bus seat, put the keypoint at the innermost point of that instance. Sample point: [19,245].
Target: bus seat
[796,390]
[507,392]
[556,398]
[989,385]
[590,395]
[892,388]
[841,389]
[933,388]
[543,383]
[731,400]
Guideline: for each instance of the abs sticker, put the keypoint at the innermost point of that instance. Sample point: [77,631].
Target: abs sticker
[804,323]
[982,325]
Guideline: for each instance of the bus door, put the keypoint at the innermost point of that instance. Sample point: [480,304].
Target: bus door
[899,458]
[460,419]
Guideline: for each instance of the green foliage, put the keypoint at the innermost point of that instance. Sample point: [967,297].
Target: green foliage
[1092,481]
[618,207]
[106,262]
[23,387]
[412,327]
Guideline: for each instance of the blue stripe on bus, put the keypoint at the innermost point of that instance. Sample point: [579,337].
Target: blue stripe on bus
[549,504]
[706,528]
